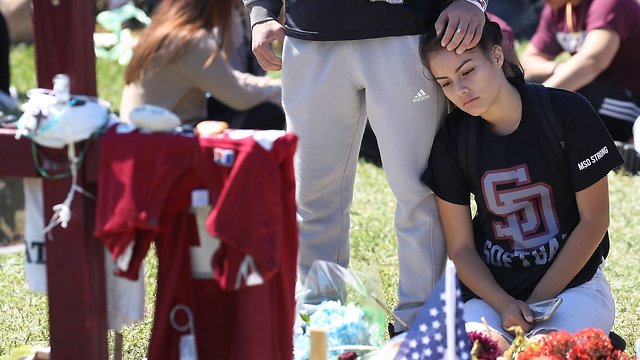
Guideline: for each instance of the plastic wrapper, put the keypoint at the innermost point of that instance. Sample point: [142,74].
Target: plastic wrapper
[348,305]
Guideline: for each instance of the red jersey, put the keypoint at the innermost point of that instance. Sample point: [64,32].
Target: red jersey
[241,299]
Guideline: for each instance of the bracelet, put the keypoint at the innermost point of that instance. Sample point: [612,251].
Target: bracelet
[481,4]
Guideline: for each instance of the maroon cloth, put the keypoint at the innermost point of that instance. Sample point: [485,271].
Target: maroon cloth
[145,187]
[507,32]
[508,37]
[622,16]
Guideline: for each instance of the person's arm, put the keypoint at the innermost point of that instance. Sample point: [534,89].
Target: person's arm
[472,271]
[240,91]
[265,29]
[462,22]
[598,50]
[538,58]
[537,65]
[593,206]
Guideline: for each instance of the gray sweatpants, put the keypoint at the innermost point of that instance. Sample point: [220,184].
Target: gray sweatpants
[330,88]
[588,305]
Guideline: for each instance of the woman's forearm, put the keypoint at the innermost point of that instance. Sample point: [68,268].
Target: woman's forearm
[573,74]
[595,56]
[593,206]
[537,68]
[473,272]
[580,245]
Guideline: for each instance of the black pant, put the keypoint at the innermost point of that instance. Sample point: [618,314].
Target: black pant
[265,116]
[369,150]
[617,107]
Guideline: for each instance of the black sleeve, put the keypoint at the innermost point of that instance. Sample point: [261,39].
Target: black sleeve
[590,151]
[443,174]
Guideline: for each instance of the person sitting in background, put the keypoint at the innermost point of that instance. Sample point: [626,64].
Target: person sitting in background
[602,37]
[180,57]
[9,109]
[241,58]
[540,230]
[522,15]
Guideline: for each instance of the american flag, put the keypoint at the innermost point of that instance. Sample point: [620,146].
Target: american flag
[427,337]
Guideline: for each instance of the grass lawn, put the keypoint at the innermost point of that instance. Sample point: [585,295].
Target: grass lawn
[23,314]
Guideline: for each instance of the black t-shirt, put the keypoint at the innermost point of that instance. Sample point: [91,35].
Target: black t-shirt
[525,194]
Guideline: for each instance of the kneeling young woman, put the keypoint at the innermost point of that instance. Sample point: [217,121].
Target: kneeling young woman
[540,230]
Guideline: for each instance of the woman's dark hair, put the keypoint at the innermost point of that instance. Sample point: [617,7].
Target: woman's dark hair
[491,36]
[175,25]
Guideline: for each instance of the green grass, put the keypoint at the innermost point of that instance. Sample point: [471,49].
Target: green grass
[24,317]
[109,77]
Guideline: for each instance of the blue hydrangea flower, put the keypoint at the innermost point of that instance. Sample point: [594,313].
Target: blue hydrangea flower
[345,325]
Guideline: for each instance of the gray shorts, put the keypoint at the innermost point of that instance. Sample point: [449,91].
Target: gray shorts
[588,305]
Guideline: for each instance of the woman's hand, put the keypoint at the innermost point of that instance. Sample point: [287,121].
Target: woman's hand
[516,313]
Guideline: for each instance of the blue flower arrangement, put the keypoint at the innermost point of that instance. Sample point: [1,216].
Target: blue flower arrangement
[348,327]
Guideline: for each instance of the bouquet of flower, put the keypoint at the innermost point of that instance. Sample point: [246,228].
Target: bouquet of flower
[587,344]
[347,306]
[483,347]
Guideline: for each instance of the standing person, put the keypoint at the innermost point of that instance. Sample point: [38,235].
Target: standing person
[344,62]
[540,230]
[602,37]
[179,58]
[4,56]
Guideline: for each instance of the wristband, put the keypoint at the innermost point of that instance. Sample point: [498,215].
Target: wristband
[481,4]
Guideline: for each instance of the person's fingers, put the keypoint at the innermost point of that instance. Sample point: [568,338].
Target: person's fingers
[475,29]
[263,36]
[441,24]
[526,326]
[509,324]
[526,311]
[460,25]
[266,58]
[517,314]
[449,32]
[465,44]
[458,35]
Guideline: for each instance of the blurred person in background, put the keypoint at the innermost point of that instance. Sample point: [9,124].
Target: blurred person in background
[181,56]
[602,37]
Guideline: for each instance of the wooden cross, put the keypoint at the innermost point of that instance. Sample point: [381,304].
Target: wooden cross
[63,32]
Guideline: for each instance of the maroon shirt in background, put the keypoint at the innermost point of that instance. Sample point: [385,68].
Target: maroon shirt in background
[507,32]
[508,37]
[622,16]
